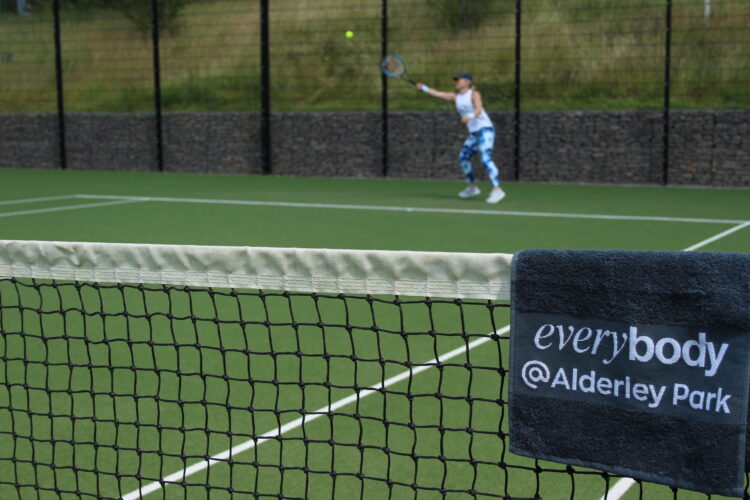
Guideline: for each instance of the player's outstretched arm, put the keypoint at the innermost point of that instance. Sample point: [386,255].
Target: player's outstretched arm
[446,96]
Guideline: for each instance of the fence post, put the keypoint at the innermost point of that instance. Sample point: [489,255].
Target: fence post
[59,86]
[384,85]
[157,83]
[667,88]
[265,89]
[517,98]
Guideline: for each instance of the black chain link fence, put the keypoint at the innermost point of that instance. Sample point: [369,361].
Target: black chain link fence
[644,91]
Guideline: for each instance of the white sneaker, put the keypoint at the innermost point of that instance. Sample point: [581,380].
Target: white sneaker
[496,196]
[469,192]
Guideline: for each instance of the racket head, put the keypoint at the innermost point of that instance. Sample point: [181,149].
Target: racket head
[393,66]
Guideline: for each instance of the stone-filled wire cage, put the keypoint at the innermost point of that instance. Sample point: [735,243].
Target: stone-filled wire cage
[633,91]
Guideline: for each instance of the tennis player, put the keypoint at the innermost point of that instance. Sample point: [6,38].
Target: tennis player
[481,134]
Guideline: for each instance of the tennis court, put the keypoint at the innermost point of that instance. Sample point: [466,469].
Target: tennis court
[189,354]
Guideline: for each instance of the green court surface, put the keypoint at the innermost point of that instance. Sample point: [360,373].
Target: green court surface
[78,341]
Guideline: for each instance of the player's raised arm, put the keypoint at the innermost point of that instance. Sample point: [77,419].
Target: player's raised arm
[446,96]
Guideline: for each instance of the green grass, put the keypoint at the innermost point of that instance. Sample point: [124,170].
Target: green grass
[580,55]
[116,356]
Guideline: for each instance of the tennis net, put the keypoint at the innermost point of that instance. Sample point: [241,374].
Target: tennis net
[156,371]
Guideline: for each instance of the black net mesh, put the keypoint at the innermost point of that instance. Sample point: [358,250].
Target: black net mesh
[124,391]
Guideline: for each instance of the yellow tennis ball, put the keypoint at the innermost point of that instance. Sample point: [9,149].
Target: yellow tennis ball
[349,34]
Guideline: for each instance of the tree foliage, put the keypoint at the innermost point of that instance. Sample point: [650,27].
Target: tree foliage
[138,12]
[461,14]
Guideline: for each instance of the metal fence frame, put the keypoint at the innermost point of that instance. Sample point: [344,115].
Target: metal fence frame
[265,77]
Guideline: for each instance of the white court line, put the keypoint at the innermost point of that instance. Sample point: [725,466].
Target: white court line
[37,200]
[623,485]
[412,209]
[69,207]
[619,489]
[309,417]
[717,237]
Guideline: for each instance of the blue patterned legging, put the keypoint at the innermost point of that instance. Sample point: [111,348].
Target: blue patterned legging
[482,141]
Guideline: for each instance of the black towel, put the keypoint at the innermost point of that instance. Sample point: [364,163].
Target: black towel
[680,416]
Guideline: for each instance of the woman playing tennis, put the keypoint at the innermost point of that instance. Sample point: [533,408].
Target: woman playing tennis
[481,134]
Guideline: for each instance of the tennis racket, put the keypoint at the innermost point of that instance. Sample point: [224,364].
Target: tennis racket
[394,66]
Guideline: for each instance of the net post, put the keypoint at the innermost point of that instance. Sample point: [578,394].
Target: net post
[517,97]
[667,89]
[384,86]
[156,55]
[59,85]
[265,89]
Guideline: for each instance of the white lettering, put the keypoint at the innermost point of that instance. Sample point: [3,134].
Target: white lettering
[560,379]
[709,397]
[642,348]
[615,350]
[604,386]
[715,359]
[565,339]
[618,383]
[540,336]
[627,387]
[680,393]
[702,400]
[656,395]
[721,402]
[598,340]
[676,351]
[696,400]
[640,392]
[587,382]
[635,340]
[579,339]
[700,344]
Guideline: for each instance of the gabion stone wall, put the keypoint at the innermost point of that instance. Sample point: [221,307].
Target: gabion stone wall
[224,143]
[708,148]
[345,144]
[592,146]
[29,140]
[110,142]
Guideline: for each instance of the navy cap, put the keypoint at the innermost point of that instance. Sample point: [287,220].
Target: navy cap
[464,75]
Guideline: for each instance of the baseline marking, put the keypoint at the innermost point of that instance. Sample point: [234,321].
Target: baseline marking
[181,475]
[383,208]
[36,200]
[623,485]
[70,207]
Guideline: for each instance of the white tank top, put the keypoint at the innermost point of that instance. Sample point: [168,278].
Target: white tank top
[465,107]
